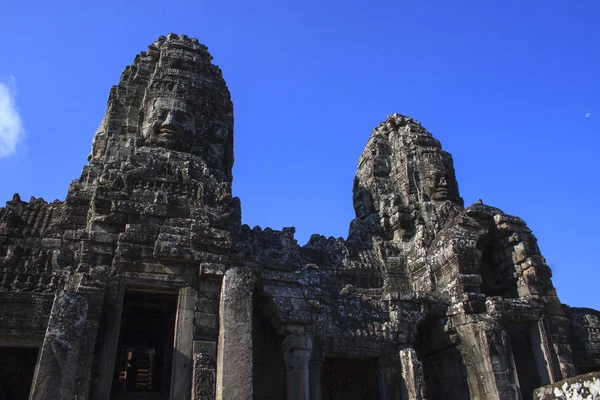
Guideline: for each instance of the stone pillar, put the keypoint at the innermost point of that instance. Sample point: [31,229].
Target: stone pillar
[234,354]
[545,358]
[90,281]
[86,356]
[488,358]
[109,339]
[181,375]
[388,379]
[205,371]
[511,371]
[412,375]
[381,384]
[296,355]
[314,376]
[55,374]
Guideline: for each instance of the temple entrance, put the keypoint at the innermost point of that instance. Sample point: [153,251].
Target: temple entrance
[497,280]
[525,363]
[349,379]
[145,350]
[17,366]
[269,381]
[443,367]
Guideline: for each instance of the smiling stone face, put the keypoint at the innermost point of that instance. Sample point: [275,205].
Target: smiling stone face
[437,179]
[170,98]
[169,123]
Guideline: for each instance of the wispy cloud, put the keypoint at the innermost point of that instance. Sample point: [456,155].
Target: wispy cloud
[11,128]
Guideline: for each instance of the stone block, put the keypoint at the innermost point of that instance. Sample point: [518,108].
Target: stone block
[208,306]
[204,381]
[206,320]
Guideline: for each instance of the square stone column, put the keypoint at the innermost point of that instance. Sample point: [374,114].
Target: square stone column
[56,372]
[545,357]
[110,324]
[487,355]
[234,354]
[86,355]
[296,355]
[314,376]
[388,378]
[205,371]
[181,375]
[412,375]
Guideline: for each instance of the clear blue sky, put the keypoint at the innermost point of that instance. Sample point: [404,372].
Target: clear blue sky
[511,88]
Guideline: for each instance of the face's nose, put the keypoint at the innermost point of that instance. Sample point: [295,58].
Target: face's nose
[169,120]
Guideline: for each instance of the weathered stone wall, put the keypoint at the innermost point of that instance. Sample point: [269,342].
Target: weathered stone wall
[24,318]
[30,246]
[585,338]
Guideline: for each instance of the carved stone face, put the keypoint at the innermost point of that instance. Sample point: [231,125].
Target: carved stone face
[169,123]
[439,189]
[437,180]
[363,203]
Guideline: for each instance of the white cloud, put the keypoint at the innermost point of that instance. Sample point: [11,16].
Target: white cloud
[11,128]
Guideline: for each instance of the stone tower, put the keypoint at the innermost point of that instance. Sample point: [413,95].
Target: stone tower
[144,282]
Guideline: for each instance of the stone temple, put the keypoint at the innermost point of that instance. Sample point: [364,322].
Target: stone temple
[143,282]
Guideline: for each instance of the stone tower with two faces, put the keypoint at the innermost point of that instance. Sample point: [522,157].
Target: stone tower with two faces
[145,283]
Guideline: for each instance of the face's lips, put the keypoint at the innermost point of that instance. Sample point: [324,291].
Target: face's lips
[167,132]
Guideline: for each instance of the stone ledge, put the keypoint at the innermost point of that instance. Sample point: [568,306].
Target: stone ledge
[585,387]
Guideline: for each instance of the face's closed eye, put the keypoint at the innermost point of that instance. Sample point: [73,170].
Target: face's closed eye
[181,116]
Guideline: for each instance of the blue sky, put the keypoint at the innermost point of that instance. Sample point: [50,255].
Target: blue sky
[511,89]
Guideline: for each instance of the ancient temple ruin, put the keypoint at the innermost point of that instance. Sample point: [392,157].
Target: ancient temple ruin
[143,282]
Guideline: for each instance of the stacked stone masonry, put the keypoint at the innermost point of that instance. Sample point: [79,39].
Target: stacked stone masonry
[144,281]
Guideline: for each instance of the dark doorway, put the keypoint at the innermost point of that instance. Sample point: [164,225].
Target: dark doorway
[349,379]
[17,366]
[522,350]
[145,350]
[443,367]
[497,278]
[269,381]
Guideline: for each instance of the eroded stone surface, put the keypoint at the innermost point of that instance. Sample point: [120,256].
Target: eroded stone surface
[438,300]
[234,354]
[204,377]
[581,387]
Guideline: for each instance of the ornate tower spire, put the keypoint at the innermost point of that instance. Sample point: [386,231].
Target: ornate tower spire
[403,175]
[171,98]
